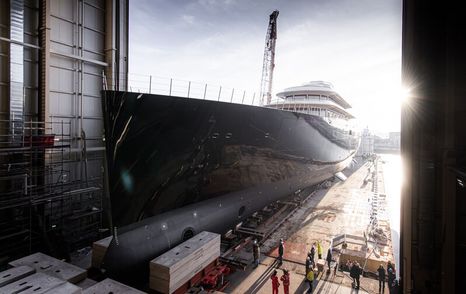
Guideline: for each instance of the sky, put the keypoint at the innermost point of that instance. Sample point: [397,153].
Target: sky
[354,44]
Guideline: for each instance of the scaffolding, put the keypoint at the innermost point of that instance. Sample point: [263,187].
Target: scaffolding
[47,200]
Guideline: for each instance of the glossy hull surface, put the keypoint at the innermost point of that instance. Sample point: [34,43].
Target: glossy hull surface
[178,166]
[167,152]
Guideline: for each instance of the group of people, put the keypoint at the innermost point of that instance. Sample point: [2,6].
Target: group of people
[310,265]
[256,252]
[353,267]
[391,272]
[285,278]
[310,260]
[388,275]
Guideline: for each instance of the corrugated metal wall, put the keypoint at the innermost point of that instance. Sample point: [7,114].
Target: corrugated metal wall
[4,55]
[31,58]
[77,33]
[77,59]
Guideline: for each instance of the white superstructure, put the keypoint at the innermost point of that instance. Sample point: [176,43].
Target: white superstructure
[315,98]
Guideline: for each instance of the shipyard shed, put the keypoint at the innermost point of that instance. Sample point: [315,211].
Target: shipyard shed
[52,56]
[55,59]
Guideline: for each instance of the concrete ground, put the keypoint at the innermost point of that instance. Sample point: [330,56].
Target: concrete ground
[342,208]
[257,280]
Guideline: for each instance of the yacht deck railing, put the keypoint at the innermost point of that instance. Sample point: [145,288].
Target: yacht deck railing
[152,84]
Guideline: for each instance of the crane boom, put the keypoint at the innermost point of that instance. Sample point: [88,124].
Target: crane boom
[269,60]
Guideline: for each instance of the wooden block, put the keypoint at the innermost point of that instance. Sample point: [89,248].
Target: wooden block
[14,274]
[171,285]
[174,268]
[40,283]
[199,257]
[99,248]
[111,286]
[49,265]
[186,252]
[189,264]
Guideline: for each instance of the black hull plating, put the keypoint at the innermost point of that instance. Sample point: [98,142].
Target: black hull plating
[179,166]
[167,152]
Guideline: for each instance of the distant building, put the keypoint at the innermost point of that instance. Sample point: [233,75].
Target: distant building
[394,138]
[387,145]
[367,143]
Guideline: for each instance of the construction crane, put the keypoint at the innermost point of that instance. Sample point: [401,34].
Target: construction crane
[269,60]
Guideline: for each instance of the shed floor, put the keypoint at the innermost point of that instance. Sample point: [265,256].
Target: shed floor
[344,208]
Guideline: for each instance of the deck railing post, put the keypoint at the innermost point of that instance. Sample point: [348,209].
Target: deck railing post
[253,97]
[219,93]
[150,84]
[244,94]
[205,90]
[189,87]
[232,93]
[170,92]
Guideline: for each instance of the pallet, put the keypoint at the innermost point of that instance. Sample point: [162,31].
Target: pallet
[51,266]
[40,283]
[14,274]
[111,286]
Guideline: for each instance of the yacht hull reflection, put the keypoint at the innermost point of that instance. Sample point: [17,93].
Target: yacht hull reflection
[178,165]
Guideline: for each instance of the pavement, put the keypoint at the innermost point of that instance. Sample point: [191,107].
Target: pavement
[342,208]
[257,280]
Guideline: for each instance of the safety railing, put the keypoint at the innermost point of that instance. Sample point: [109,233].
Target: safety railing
[152,84]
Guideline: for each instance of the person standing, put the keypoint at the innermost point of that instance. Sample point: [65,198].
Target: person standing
[256,253]
[308,263]
[391,278]
[281,249]
[390,266]
[319,250]
[352,268]
[310,279]
[329,258]
[313,252]
[275,283]
[356,273]
[286,281]
[381,272]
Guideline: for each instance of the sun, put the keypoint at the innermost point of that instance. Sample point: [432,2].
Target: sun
[404,94]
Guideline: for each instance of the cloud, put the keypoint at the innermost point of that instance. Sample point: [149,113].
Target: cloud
[354,45]
[216,4]
[189,19]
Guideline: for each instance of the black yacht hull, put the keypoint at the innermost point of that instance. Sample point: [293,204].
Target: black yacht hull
[178,166]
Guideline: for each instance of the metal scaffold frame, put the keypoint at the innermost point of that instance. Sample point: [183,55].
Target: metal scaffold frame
[47,201]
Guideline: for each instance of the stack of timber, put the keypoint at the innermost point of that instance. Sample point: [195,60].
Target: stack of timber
[174,268]
[51,266]
[99,248]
